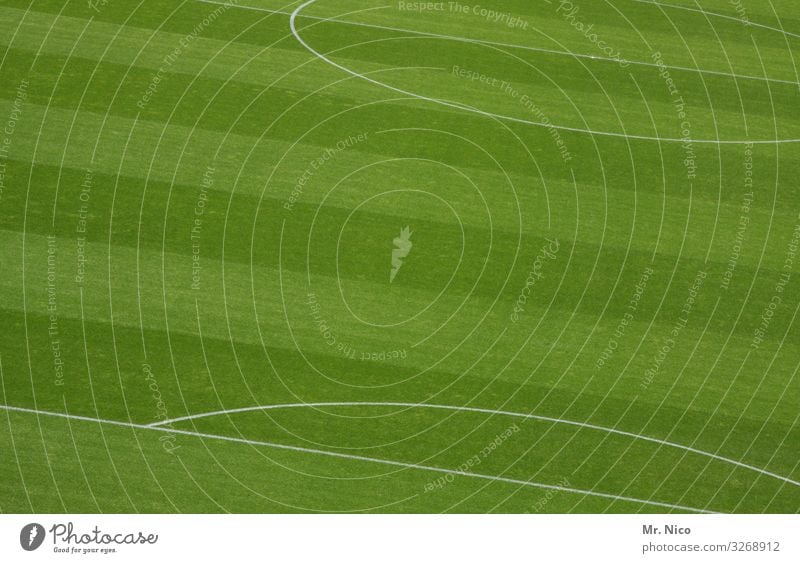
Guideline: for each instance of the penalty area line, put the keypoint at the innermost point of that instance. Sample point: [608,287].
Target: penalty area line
[352,457]
[477,41]
[457,105]
[526,416]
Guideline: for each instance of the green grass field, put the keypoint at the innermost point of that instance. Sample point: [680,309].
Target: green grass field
[353,256]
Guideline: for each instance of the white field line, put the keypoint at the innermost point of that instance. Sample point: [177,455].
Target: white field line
[717,15]
[463,107]
[352,457]
[487,411]
[514,45]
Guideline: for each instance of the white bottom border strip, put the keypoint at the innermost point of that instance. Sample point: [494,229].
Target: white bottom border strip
[399,538]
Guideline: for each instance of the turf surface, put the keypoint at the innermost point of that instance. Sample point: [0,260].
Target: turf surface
[201,206]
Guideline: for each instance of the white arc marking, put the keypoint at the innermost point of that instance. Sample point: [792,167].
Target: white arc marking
[488,411]
[353,457]
[463,107]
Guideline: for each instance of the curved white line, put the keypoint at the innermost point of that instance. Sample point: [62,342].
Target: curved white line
[513,45]
[718,15]
[457,105]
[483,411]
[353,457]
